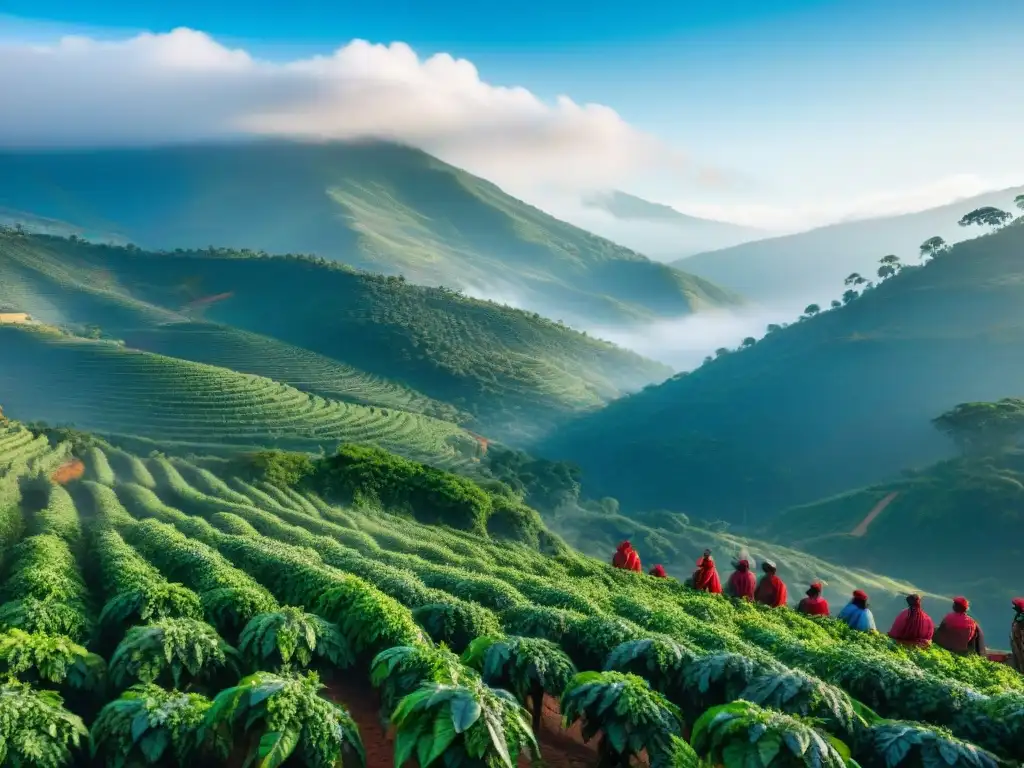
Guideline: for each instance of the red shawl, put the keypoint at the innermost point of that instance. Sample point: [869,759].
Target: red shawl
[621,559]
[658,572]
[957,632]
[913,626]
[742,581]
[705,578]
[771,591]
[813,606]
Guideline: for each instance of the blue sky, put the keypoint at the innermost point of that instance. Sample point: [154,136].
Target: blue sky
[821,108]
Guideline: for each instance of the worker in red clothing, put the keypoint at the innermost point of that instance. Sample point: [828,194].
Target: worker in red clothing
[814,604]
[913,626]
[627,558]
[771,590]
[958,632]
[1017,635]
[705,578]
[742,582]
[658,572]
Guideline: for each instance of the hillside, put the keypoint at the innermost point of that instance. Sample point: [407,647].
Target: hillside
[658,230]
[810,266]
[165,573]
[376,206]
[514,372]
[102,387]
[954,527]
[836,401]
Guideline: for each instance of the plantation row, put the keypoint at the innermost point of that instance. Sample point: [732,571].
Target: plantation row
[458,589]
[196,581]
[239,350]
[87,383]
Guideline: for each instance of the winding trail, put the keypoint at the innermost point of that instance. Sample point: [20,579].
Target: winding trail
[862,528]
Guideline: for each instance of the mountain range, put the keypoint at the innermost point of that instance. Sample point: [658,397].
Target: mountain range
[382,207]
[832,402]
[795,270]
[659,230]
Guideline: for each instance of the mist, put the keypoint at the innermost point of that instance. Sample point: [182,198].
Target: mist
[684,342]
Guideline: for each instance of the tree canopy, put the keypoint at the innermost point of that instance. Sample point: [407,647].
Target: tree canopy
[983,427]
[988,216]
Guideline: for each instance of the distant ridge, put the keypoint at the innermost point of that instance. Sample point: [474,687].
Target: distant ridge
[377,206]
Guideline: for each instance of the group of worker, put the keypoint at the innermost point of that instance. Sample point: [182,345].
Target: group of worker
[957,632]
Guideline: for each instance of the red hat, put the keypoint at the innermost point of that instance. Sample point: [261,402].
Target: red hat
[859,594]
[1018,603]
[961,604]
[816,585]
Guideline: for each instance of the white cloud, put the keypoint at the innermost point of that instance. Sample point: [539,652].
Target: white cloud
[184,85]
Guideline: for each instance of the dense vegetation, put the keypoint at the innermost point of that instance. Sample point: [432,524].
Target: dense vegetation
[840,399]
[381,207]
[102,386]
[638,660]
[326,329]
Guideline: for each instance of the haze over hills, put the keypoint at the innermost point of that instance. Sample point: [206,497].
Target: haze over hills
[509,372]
[795,270]
[658,230]
[378,206]
[836,401]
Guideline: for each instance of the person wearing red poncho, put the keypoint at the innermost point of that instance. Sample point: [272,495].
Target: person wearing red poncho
[958,632]
[626,557]
[742,582]
[658,572]
[705,578]
[771,590]
[814,604]
[1017,635]
[913,626]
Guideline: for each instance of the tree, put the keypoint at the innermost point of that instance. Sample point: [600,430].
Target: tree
[1019,202]
[288,714]
[811,310]
[985,217]
[742,735]
[660,661]
[35,728]
[398,672]
[172,653]
[721,352]
[629,716]
[836,304]
[289,638]
[982,428]
[147,724]
[932,247]
[854,279]
[749,342]
[469,725]
[719,678]
[529,667]
[773,327]
[886,271]
[797,693]
[890,265]
[849,296]
[897,744]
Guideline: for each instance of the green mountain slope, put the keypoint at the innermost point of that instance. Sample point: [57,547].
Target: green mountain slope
[377,206]
[811,266]
[514,372]
[956,527]
[103,387]
[836,401]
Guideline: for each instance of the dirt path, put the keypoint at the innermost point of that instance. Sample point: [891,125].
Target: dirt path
[559,749]
[861,529]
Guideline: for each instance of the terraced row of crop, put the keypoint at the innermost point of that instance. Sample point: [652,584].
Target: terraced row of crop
[457,591]
[261,355]
[102,387]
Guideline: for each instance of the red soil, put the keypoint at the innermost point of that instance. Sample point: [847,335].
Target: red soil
[559,748]
[862,528]
[68,471]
